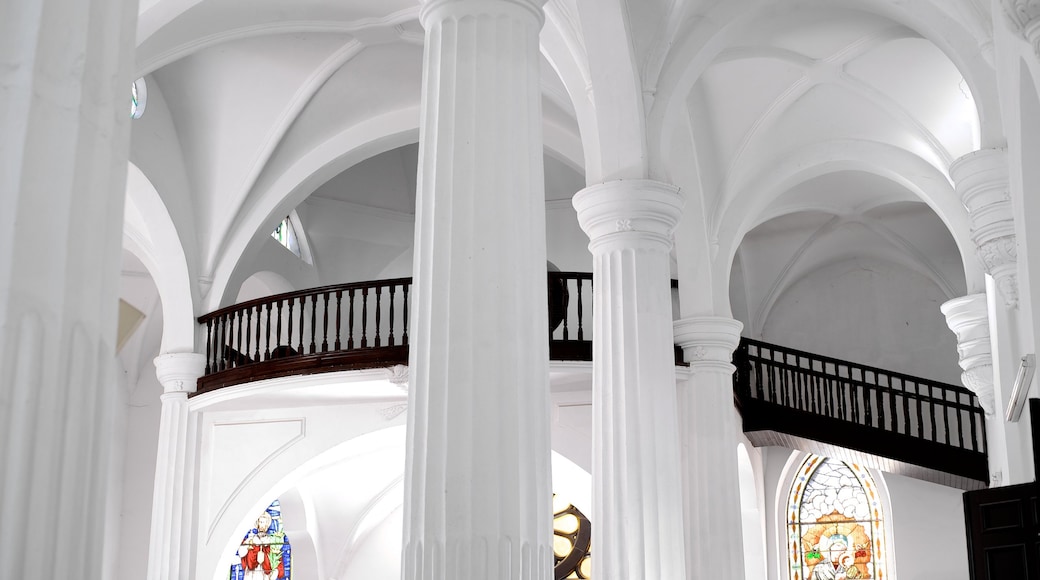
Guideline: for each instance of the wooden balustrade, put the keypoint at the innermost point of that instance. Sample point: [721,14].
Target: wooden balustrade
[925,422]
[347,326]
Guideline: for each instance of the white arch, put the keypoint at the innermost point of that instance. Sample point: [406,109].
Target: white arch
[698,47]
[349,147]
[149,233]
[738,213]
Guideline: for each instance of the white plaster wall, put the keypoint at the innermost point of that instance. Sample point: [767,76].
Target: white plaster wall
[928,527]
[868,311]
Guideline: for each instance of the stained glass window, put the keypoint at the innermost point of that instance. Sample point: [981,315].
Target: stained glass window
[572,536]
[834,523]
[265,553]
[285,233]
[138,97]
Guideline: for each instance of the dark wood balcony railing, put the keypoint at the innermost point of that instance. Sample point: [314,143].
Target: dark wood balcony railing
[927,423]
[356,326]
[342,327]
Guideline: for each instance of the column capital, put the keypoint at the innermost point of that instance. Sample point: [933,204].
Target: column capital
[708,341]
[630,209]
[968,318]
[179,372]
[982,181]
[433,10]
[1024,18]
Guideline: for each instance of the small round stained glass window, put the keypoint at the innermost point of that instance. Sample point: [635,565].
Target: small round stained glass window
[138,98]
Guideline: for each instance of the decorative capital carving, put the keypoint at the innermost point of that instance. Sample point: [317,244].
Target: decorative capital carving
[708,342]
[398,375]
[630,209]
[968,318]
[981,178]
[1024,18]
[179,372]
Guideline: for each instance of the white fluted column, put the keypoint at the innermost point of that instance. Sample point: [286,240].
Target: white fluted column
[478,487]
[981,179]
[65,75]
[178,373]
[637,485]
[709,425]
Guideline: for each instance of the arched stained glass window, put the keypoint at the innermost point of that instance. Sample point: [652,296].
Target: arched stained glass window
[572,536]
[834,523]
[265,553]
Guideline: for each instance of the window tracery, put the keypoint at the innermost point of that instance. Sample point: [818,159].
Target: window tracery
[834,523]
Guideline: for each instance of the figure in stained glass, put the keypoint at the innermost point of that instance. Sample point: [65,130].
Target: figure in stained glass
[265,552]
[835,528]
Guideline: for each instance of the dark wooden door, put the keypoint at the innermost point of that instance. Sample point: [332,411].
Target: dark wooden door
[1003,533]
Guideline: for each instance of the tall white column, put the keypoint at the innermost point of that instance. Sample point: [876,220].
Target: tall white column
[65,74]
[478,487]
[637,486]
[709,425]
[178,373]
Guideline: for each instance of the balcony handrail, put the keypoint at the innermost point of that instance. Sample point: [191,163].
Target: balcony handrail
[305,293]
[865,367]
[768,376]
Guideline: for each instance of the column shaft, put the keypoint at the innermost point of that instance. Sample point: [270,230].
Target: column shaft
[637,533]
[709,426]
[65,69]
[478,487]
[174,466]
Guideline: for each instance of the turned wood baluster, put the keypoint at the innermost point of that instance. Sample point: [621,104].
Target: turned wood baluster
[906,410]
[379,296]
[974,436]
[325,332]
[581,322]
[259,314]
[288,334]
[946,417]
[220,343]
[404,335]
[249,334]
[364,317]
[314,323]
[267,331]
[390,338]
[350,321]
[303,313]
[278,329]
[209,345]
[339,311]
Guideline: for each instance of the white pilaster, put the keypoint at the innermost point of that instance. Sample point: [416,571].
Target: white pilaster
[65,74]
[178,373]
[708,426]
[478,488]
[981,179]
[637,484]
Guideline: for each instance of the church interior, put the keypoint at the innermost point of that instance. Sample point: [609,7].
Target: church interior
[276,275]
